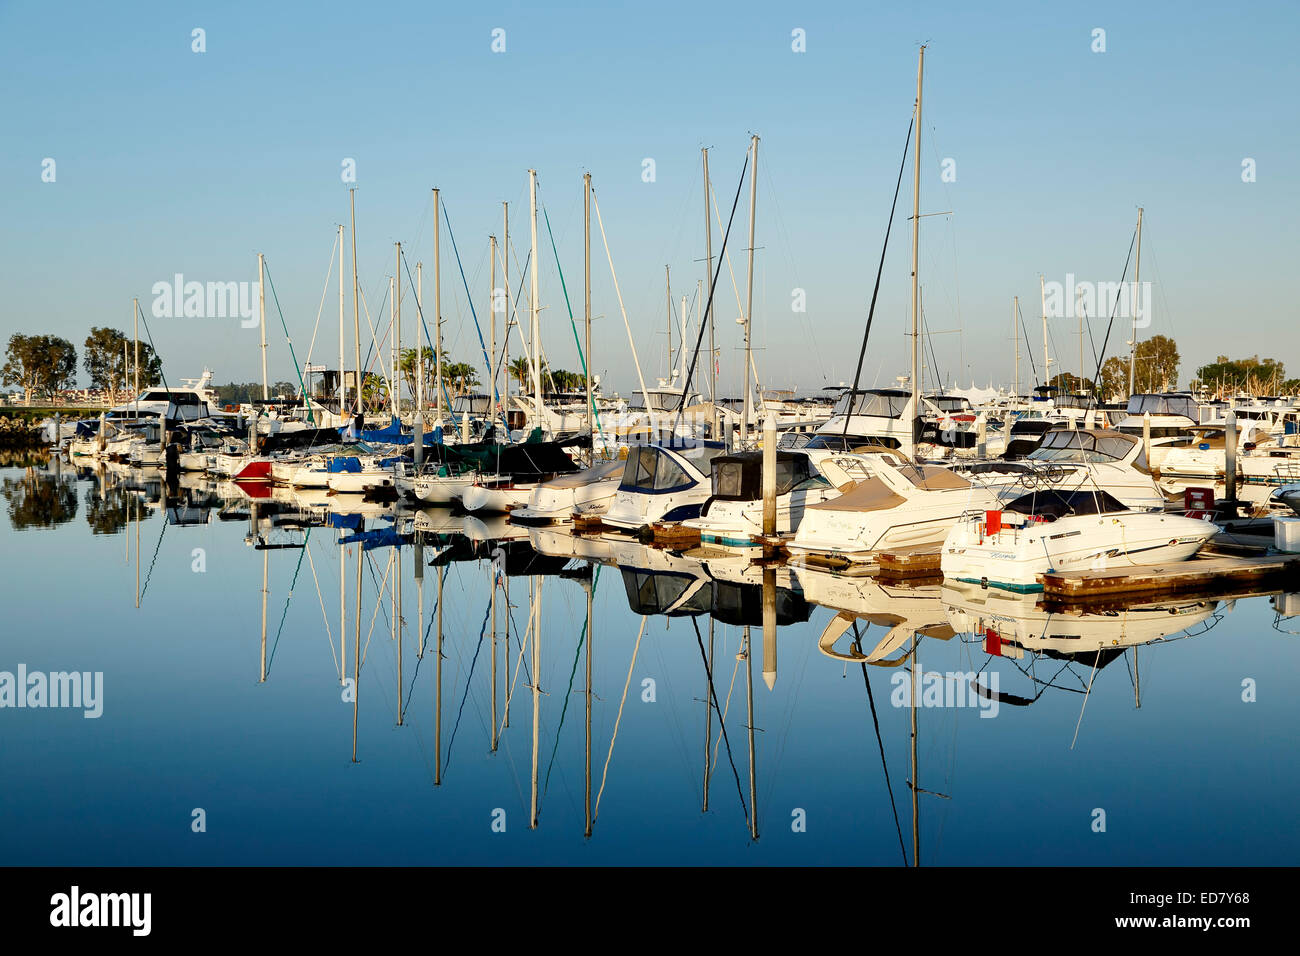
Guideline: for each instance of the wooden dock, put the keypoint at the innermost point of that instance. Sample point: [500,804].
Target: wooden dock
[674,536]
[1205,574]
[906,563]
[583,524]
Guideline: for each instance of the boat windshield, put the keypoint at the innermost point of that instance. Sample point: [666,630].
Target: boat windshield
[659,401]
[740,477]
[1074,401]
[1164,405]
[1071,445]
[651,469]
[1064,504]
[951,403]
[473,404]
[876,404]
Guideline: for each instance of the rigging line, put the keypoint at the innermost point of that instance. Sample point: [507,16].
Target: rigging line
[880,269]
[287,598]
[1104,341]
[323,292]
[875,722]
[1028,349]
[329,634]
[379,602]
[699,640]
[699,339]
[1087,694]
[731,690]
[614,737]
[149,336]
[284,325]
[572,322]
[469,680]
[419,308]
[473,313]
[564,709]
[152,561]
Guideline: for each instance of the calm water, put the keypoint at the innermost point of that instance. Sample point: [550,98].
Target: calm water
[206,708]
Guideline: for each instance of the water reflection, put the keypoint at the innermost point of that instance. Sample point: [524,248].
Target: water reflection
[534,659]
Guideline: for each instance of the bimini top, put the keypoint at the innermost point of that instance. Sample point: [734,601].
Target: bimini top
[1084,444]
[579,479]
[933,477]
[739,477]
[869,495]
[1065,504]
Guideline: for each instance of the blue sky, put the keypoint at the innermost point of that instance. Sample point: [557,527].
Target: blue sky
[173,161]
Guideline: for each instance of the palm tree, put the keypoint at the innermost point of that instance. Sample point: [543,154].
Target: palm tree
[521,369]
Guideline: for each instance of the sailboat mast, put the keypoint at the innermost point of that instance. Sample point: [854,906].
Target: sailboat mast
[533,305]
[1134,299]
[492,314]
[708,282]
[135,319]
[1015,337]
[586,295]
[668,299]
[356,299]
[261,311]
[749,296]
[1047,361]
[437,304]
[397,336]
[342,390]
[916,244]
[505,346]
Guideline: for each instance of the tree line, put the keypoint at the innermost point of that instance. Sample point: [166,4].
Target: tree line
[45,364]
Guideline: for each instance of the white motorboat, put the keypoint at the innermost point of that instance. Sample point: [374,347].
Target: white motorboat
[1076,458]
[660,483]
[733,514]
[901,505]
[1072,530]
[587,492]
[443,487]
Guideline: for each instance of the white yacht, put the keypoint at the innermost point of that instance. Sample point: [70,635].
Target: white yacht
[586,493]
[1073,530]
[661,483]
[901,505]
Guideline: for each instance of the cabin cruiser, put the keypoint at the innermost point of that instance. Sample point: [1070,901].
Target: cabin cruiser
[1173,417]
[901,505]
[1072,530]
[1076,458]
[582,493]
[733,514]
[194,400]
[661,483]
[874,416]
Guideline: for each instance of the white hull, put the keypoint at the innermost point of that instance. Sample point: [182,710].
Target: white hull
[1016,556]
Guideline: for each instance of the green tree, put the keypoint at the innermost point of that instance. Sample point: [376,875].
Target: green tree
[43,363]
[1112,383]
[520,371]
[109,356]
[1066,383]
[1225,376]
[462,374]
[1156,367]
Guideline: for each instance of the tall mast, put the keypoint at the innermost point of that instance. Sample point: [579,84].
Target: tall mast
[1134,299]
[397,336]
[916,246]
[261,310]
[492,355]
[1047,361]
[437,303]
[505,345]
[417,422]
[749,297]
[356,300]
[135,319]
[668,298]
[586,295]
[392,364]
[1015,336]
[537,342]
[708,283]
[342,390]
